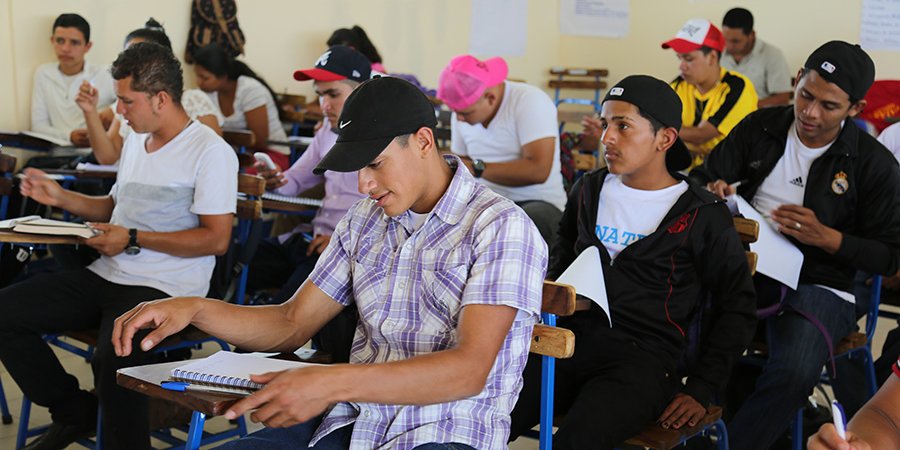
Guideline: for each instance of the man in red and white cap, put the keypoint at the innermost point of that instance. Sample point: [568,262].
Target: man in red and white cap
[714,99]
[284,262]
[506,133]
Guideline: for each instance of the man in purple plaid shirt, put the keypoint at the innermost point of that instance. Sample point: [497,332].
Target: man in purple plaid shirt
[446,276]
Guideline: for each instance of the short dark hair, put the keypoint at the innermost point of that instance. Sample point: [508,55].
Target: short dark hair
[739,18]
[153,31]
[706,50]
[152,68]
[71,20]
[655,124]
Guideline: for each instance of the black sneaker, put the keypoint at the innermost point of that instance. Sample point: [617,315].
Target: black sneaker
[58,436]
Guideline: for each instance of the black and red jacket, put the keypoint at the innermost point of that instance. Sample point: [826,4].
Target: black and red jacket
[657,285]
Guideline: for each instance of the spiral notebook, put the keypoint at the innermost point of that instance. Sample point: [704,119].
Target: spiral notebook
[231,369]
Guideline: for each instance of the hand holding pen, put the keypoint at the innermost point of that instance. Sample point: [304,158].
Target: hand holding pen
[41,187]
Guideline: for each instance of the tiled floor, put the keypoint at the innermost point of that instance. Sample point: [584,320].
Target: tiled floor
[82,370]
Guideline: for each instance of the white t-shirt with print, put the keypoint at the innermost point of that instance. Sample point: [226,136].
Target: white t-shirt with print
[625,215]
[194,174]
[526,114]
[249,95]
[786,184]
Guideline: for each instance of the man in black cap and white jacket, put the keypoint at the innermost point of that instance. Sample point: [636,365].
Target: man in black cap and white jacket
[833,191]
[656,261]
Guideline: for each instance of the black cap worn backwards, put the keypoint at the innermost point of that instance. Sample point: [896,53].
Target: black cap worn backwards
[658,100]
[374,114]
[844,64]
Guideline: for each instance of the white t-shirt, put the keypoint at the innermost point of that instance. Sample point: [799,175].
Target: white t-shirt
[786,184]
[890,138]
[621,223]
[526,114]
[53,108]
[249,95]
[193,174]
[195,103]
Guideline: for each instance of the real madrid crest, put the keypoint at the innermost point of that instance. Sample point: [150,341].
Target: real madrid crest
[840,185]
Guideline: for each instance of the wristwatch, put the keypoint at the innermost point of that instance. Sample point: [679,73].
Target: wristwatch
[477,167]
[133,248]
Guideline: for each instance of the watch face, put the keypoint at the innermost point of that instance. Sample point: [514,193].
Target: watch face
[132,250]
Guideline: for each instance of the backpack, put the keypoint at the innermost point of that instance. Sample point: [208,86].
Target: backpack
[214,21]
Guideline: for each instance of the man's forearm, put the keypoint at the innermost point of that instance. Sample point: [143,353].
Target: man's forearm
[186,243]
[518,172]
[100,144]
[782,98]
[699,134]
[89,208]
[254,328]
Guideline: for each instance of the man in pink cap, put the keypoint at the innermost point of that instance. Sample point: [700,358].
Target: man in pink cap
[506,134]
[714,99]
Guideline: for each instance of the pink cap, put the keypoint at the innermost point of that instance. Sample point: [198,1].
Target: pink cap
[694,34]
[464,80]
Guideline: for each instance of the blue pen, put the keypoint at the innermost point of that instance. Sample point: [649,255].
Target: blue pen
[182,386]
[840,419]
[308,237]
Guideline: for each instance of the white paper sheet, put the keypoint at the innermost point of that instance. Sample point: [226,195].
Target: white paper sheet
[499,28]
[594,17]
[879,25]
[585,274]
[778,258]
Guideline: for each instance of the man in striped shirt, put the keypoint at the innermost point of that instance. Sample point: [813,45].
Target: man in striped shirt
[446,276]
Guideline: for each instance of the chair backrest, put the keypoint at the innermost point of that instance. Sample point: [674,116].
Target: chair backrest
[547,339]
[748,230]
[239,138]
[7,166]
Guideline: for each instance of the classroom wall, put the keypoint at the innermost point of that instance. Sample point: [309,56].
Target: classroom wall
[413,36]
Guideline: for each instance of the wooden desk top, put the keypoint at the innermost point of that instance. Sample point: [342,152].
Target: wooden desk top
[274,205]
[28,238]
[147,379]
[84,173]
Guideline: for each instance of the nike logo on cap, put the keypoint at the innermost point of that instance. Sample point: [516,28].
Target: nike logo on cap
[344,124]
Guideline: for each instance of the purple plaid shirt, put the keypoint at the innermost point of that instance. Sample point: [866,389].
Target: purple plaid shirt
[475,247]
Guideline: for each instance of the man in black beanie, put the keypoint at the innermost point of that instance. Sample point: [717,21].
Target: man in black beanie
[832,190]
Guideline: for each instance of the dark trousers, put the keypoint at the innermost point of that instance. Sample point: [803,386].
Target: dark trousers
[286,266]
[75,300]
[608,391]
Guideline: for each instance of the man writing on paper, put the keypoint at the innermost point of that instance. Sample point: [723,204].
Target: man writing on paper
[446,276]
[169,212]
[659,261]
[833,191]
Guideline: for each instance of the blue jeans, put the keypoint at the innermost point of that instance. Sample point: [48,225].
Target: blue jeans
[298,437]
[797,354]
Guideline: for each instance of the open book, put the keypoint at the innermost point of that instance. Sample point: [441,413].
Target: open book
[32,139]
[230,369]
[38,225]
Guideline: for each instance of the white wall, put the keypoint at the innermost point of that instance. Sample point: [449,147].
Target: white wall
[413,36]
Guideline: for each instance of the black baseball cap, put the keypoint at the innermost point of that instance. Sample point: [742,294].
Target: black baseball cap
[374,114]
[338,63]
[658,100]
[844,64]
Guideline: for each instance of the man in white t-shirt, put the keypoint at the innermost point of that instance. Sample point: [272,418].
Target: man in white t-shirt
[56,85]
[833,191]
[168,214]
[656,260]
[507,135]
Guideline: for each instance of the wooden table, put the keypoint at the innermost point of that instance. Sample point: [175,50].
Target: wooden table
[30,238]
[147,379]
[276,206]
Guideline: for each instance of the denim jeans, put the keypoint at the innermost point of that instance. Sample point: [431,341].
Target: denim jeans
[797,354]
[298,437]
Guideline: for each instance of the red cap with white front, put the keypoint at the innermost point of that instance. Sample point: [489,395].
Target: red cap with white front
[694,34]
